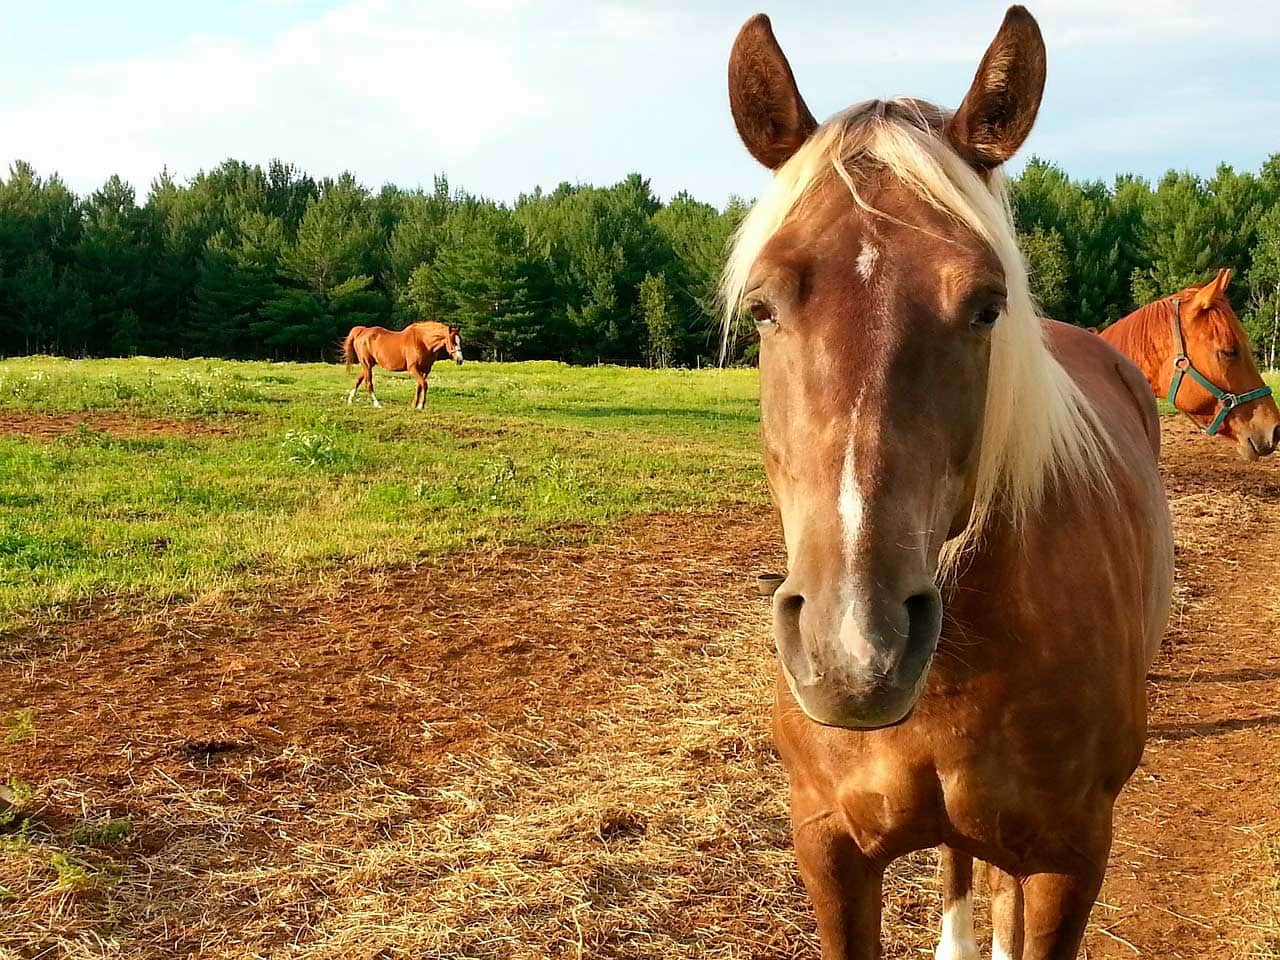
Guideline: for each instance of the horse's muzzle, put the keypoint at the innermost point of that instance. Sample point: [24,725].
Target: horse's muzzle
[1260,443]
[859,665]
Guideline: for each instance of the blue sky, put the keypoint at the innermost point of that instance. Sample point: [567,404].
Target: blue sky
[505,94]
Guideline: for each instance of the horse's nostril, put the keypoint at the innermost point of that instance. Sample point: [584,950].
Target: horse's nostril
[924,621]
[786,612]
[1275,437]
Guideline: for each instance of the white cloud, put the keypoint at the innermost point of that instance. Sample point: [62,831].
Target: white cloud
[368,79]
[504,94]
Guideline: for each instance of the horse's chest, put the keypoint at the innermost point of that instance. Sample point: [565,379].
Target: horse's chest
[901,800]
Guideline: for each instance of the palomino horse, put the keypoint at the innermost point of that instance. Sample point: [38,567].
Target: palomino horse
[415,348]
[978,542]
[1193,351]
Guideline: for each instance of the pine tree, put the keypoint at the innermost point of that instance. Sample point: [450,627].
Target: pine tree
[659,319]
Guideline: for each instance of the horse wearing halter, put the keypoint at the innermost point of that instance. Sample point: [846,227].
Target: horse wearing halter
[1182,367]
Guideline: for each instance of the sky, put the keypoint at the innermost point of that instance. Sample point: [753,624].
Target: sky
[503,95]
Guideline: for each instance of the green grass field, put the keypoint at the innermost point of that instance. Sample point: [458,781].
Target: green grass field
[303,484]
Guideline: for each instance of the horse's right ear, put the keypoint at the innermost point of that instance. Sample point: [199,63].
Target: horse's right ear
[998,112]
[769,112]
[1215,288]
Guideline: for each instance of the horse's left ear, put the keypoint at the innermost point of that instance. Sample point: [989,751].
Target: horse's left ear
[998,112]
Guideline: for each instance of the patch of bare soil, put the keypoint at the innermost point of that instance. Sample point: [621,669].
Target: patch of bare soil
[1190,872]
[46,425]
[564,753]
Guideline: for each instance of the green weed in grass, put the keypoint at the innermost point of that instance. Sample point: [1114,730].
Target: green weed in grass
[15,798]
[313,449]
[72,875]
[101,833]
[20,726]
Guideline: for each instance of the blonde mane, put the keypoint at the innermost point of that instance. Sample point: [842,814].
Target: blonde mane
[1038,427]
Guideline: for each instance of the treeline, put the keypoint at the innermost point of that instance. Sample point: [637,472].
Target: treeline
[247,262]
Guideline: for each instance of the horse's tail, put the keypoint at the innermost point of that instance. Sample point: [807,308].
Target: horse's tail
[349,350]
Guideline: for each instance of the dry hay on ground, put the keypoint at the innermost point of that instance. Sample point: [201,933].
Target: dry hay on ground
[564,753]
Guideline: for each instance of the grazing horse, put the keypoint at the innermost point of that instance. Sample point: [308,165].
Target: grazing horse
[1193,351]
[415,348]
[978,543]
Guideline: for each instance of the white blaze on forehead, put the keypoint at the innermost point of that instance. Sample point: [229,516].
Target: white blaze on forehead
[957,941]
[850,502]
[867,259]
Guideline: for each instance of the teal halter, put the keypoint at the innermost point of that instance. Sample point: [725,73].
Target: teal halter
[1182,368]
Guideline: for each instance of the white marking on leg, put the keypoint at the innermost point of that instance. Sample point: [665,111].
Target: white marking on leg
[375,400]
[866,262]
[956,941]
[351,397]
[998,951]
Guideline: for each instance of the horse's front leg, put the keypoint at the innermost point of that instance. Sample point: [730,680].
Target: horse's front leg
[956,940]
[1006,914]
[1056,906]
[1056,910]
[843,885]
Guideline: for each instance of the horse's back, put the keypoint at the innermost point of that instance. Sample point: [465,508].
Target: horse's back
[366,335]
[1126,408]
[376,346]
[1111,380]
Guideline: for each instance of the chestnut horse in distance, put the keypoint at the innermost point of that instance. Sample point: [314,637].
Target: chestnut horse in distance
[415,348]
[979,552]
[1194,353]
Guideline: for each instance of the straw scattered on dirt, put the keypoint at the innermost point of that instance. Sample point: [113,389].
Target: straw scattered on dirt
[563,753]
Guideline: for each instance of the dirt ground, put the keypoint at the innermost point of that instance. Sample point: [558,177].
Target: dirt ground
[565,753]
[24,424]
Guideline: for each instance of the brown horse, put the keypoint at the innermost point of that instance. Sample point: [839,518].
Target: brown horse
[415,348]
[1193,351]
[979,547]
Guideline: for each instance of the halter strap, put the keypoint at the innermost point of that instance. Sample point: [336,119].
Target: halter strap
[1182,367]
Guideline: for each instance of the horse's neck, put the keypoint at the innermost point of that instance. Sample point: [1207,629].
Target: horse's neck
[1145,338]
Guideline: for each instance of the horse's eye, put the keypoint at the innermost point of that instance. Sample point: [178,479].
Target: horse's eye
[1230,353]
[985,318]
[761,313]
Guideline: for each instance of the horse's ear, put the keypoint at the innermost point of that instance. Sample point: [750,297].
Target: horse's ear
[769,112]
[998,112]
[1211,291]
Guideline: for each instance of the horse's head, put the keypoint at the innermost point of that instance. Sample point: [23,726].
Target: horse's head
[453,343]
[1218,348]
[882,272]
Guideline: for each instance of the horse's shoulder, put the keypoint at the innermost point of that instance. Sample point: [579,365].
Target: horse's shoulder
[1096,365]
